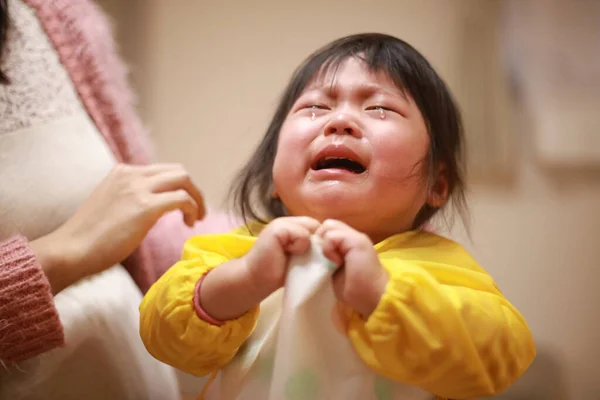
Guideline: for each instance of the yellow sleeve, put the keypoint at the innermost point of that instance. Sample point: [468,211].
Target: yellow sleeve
[443,325]
[169,326]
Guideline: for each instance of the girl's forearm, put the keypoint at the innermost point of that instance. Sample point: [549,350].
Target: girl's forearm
[228,292]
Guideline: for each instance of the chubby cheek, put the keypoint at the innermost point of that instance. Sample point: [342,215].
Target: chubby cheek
[401,161]
[292,155]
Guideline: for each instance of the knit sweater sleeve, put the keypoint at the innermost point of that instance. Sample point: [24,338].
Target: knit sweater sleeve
[30,324]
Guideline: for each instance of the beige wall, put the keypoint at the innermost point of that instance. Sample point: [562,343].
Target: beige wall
[217,69]
[212,72]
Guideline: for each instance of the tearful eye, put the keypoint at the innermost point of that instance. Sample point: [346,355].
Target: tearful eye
[380,111]
[315,110]
[316,107]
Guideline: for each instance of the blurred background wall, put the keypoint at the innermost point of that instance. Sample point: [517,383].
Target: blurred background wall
[209,74]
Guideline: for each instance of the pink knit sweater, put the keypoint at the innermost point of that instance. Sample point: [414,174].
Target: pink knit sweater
[29,323]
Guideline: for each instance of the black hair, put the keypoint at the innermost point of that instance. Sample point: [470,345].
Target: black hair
[4,21]
[251,192]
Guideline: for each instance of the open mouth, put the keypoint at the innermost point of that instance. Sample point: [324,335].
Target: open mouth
[342,163]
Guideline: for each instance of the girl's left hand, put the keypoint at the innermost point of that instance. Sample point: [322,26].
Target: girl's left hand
[361,280]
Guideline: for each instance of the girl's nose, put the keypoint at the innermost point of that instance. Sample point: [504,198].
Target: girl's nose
[343,124]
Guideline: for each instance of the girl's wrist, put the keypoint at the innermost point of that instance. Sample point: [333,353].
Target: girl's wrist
[227,293]
[200,311]
[371,295]
[258,286]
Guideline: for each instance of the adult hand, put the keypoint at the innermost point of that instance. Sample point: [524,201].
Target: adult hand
[114,220]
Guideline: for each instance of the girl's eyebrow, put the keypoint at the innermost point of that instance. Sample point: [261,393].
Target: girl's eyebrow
[362,90]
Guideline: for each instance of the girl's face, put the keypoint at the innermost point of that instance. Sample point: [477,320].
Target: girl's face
[353,148]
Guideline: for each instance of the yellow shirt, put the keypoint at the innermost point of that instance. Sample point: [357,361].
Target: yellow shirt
[442,324]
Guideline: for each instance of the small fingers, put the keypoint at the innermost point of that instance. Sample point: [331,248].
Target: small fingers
[331,252]
[332,245]
[345,236]
[339,283]
[293,238]
[310,224]
[299,244]
[332,224]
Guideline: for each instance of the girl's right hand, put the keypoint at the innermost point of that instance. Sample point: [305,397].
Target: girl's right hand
[267,262]
[114,220]
[237,286]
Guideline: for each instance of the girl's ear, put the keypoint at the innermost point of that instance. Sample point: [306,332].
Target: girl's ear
[438,192]
[275,195]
